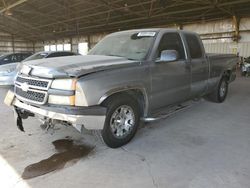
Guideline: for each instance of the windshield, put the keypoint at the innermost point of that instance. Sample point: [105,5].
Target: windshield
[130,45]
[37,56]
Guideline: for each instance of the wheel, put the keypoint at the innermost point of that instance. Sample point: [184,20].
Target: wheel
[220,93]
[122,120]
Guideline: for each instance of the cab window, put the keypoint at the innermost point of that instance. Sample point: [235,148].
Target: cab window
[194,46]
[171,41]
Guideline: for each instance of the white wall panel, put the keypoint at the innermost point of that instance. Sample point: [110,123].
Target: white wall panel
[223,48]
[210,27]
[244,49]
[229,48]
[9,43]
[245,36]
[245,24]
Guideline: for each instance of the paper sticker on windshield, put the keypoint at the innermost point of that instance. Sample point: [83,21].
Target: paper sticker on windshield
[146,34]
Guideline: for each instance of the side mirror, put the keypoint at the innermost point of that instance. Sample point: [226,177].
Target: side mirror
[169,56]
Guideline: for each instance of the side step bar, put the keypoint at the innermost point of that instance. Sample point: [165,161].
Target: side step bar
[171,111]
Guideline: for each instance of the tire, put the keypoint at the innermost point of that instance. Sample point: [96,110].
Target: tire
[220,92]
[122,120]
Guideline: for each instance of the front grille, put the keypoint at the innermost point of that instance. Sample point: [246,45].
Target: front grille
[31,95]
[33,82]
[30,89]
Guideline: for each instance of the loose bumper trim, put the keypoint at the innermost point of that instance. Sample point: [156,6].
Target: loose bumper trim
[91,121]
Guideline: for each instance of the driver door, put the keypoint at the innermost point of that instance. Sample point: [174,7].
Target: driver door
[170,80]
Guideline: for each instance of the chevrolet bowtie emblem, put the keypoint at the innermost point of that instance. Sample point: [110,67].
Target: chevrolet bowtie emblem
[24,86]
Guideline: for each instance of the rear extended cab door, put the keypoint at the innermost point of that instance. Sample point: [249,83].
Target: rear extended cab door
[199,64]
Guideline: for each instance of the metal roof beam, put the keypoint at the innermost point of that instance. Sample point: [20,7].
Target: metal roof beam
[8,7]
[160,15]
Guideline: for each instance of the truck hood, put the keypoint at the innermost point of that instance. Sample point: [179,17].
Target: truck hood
[75,66]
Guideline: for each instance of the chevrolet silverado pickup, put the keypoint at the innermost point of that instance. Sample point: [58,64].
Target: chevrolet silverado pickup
[128,77]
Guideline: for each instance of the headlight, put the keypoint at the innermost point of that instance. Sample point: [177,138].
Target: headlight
[79,99]
[7,71]
[11,70]
[64,84]
[62,100]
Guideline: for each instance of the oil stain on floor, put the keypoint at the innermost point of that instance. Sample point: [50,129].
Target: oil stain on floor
[67,151]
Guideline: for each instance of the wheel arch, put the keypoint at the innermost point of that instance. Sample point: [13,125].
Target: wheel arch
[225,73]
[138,93]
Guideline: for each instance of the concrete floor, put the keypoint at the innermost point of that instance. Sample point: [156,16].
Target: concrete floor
[207,145]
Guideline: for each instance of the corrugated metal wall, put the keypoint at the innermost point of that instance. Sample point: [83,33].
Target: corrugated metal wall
[222,31]
[224,48]
[9,43]
[243,48]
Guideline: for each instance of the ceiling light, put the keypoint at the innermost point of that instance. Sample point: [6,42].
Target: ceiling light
[126,8]
[8,13]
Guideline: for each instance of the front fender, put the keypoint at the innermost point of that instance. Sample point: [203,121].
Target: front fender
[99,86]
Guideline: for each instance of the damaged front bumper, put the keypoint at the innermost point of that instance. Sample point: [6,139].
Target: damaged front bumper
[92,118]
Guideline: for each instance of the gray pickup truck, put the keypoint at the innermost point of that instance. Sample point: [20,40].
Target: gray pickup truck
[128,77]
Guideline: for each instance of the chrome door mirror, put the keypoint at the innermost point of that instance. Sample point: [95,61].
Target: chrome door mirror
[169,56]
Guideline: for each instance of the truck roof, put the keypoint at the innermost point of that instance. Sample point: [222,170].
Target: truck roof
[154,30]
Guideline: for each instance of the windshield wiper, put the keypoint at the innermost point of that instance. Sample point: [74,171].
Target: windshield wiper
[113,55]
